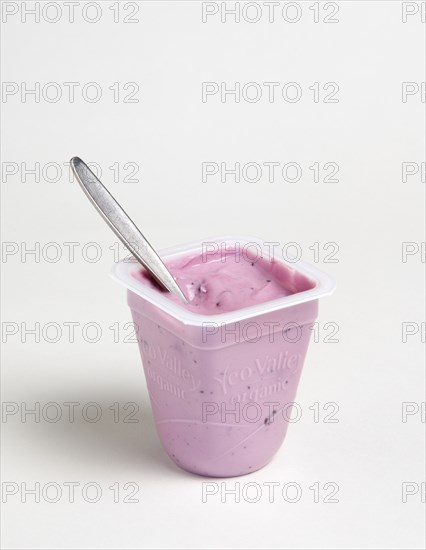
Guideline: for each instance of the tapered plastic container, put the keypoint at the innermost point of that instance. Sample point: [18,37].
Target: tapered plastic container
[221,386]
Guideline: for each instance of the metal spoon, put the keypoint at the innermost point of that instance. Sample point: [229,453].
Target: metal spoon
[123,227]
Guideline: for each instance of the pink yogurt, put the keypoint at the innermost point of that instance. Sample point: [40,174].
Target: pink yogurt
[223,370]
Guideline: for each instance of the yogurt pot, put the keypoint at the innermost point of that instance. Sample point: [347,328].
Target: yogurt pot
[221,385]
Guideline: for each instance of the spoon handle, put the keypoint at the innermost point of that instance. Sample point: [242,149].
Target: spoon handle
[123,226]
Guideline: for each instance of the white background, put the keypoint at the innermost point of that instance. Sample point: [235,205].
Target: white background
[169,133]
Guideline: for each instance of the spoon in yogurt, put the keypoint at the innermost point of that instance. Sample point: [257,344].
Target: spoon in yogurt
[124,227]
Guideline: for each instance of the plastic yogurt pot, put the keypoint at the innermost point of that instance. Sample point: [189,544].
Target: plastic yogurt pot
[221,384]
